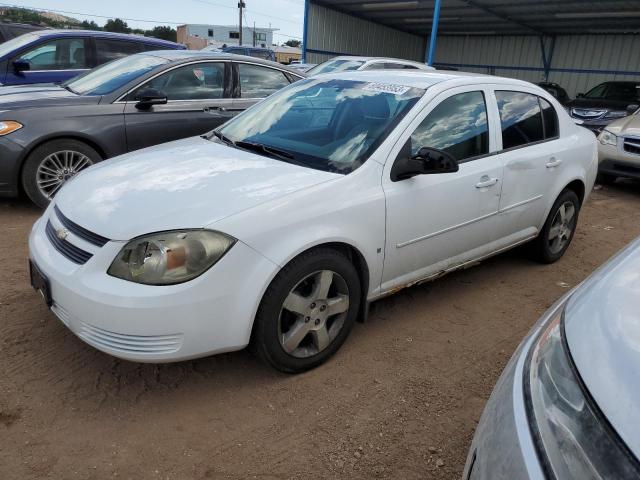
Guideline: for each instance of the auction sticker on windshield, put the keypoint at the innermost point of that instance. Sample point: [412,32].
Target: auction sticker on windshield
[386,88]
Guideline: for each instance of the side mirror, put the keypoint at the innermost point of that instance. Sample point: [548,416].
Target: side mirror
[580,95]
[426,161]
[631,109]
[21,65]
[150,96]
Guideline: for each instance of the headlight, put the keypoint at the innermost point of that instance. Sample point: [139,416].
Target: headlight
[607,138]
[616,114]
[572,437]
[167,258]
[8,126]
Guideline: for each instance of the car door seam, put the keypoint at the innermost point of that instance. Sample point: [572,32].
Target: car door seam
[445,230]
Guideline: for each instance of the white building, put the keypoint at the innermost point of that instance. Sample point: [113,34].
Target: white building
[226,34]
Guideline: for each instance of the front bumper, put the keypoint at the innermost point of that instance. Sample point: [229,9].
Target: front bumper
[503,447]
[10,157]
[211,314]
[614,160]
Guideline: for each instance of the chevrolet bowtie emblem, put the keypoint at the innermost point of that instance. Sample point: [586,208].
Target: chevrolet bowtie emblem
[62,233]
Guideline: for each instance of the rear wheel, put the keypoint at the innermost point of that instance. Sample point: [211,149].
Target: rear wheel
[558,230]
[52,164]
[308,311]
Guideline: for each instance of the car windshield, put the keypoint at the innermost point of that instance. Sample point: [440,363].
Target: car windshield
[331,125]
[113,75]
[341,65]
[626,91]
[16,43]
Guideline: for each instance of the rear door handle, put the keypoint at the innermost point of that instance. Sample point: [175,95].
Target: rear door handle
[553,162]
[486,182]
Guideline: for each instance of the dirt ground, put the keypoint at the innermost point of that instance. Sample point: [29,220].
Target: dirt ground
[400,399]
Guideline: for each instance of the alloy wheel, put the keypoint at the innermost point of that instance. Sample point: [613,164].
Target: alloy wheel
[59,167]
[313,313]
[561,227]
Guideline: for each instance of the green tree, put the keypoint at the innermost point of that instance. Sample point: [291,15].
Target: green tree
[293,43]
[117,25]
[163,32]
[90,25]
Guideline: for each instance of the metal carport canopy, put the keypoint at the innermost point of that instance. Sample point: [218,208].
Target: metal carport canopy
[575,25]
[498,17]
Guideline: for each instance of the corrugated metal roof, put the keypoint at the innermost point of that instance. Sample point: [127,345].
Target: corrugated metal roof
[499,17]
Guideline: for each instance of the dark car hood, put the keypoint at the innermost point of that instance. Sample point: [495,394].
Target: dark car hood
[599,103]
[40,95]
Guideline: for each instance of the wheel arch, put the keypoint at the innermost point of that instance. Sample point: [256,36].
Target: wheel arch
[61,136]
[349,250]
[578,187]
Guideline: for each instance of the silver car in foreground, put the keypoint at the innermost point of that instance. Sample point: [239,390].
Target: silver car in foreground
[567,406]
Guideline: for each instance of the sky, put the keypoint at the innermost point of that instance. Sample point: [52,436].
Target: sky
[287,15]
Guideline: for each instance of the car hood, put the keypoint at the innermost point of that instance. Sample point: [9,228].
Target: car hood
[626,126]
[599,104]
[189,183]
[40,95]
[602,324]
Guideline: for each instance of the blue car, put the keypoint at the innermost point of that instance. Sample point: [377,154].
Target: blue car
[54,56]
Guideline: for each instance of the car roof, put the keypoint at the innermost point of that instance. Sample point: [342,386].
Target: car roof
[244,47]
[368,59]
[186,55]
[100,34]
[421,78]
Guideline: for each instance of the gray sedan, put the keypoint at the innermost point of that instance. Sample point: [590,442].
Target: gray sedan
[48,133]
[567,405]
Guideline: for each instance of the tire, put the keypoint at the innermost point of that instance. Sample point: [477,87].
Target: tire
[52,164]
[605,179]
[318,332]
[559,228]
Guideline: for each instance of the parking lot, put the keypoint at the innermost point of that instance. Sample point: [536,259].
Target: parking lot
[400,400]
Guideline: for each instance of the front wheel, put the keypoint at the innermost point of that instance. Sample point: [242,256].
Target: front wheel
[308,311]
[558,230]
[51,165]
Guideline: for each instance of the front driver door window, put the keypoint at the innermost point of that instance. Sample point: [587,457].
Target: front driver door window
[50,62]
[437,221]
[197,102]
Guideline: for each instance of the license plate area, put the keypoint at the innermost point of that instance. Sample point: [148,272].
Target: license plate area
[40,283]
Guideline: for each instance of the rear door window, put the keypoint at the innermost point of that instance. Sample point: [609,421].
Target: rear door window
[108,50]
[259,82]
[520,117]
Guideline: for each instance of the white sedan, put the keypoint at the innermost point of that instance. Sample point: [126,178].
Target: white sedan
[278,228]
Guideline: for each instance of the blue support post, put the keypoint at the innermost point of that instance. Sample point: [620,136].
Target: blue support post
[305,31]
[434,33]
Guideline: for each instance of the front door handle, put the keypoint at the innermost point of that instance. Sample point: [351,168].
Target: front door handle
[553,162]
[485,181]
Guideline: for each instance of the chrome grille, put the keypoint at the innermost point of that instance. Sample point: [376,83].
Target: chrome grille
[150,344]
[93,238]
[67,249]
[632,145]
[587,114]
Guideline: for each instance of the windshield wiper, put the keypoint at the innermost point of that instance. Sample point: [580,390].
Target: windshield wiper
[69,89]
[220,136]
[272,152]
